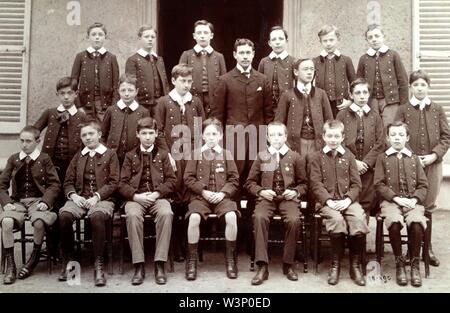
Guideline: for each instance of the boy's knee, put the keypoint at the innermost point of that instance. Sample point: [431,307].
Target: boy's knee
[231,218]
[194,220]
[292,220]
[259,216]
[39,224]
[7,223]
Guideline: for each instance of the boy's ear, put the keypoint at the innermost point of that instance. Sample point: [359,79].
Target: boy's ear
[407,138]
[212,35]
[234,54]
[173,81]
[295,72]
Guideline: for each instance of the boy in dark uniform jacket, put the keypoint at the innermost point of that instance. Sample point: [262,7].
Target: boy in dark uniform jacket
[212,179]
[149,69]
[34,189]
[429,140]
[243,98]
[97,72]
[335,182]
[62,139]
[91,179]
[178,108]
[278,180]
[146,180]
[364,137]
[207,63]
[120,123]
[384,70]
[304,109]
[278,65]
[334,71]
[401,183]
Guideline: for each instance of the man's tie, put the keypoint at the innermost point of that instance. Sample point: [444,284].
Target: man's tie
[27,159]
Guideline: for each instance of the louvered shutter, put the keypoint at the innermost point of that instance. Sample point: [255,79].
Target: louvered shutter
[14,54]
[432,47]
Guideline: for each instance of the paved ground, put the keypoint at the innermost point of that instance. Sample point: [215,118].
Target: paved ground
[212,279]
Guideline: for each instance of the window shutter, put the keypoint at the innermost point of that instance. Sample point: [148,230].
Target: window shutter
[14,57]
[432,47]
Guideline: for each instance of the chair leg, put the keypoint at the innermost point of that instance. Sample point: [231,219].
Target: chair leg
[3,259]
[49,244]
[109,244]
[23,242]
[364,256]
[316,229]
[304,244]
[252,252]
[379,239]
[426,251]
[78,237]
[122,244]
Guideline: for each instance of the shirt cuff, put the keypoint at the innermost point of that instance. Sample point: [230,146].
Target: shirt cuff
[98,195]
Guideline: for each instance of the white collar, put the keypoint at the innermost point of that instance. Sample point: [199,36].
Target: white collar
[405,151]
[199,49]
[283,150]
[336,52]
[179,99]
[283,55]
[301,87]
[216,148]
[143,53]
[147,150]
[421,103]
[241,69]
[355,108]
[33,155]
[100,150]
[91,50]
[133,106]
[339,149]
[72,110]
[371,52]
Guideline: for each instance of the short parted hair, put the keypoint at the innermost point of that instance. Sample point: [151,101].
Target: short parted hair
[243,42]
[333,124]
[67,82]
[92,123]
[300,61]
[212,121]
[146,123]
[96,25]
[326,29]
[206,23]
[182,70]
[278,27]
[275,123]
[397,124]
[128,78]
[143,28]
[359,81]
[32,130]
[372,27]
[415,75]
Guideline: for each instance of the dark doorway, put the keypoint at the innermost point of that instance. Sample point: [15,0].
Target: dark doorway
[231,18]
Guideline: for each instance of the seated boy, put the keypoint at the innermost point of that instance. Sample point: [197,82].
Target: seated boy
[277,178]
[34,188]
[91,179]
[336,185]
[212,178]
[147,178]
[402,184]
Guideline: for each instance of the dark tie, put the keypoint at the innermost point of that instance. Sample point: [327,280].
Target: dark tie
[63,116]
[27,159]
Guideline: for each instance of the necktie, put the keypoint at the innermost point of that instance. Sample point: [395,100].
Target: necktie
[182,106]
[399,155]
[27,159]
[92,153]
[360,113]
[63,116]
[330,55]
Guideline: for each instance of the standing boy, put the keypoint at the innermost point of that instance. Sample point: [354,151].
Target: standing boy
[207,63]
[334,71]
[34,189]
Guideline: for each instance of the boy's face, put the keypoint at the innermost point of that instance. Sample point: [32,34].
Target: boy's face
[182,84]
[329,42]
[203,35]
[276,135]
[97,37]
[333,137]
[244,56]
[148,39]
[375,38]
[90,136]
[127,92]
[28,143]
[147,137]
[397,137]
[277,41]
[360,94]
[305,71]
[419,88]
[67,96]
[212,136]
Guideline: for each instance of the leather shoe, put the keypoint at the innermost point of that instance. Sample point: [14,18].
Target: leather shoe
[434,261]
[333,274]
[160,274]
[400,271]
[416,279]
[99,274]
[289,271]
[261,275]
[139,274]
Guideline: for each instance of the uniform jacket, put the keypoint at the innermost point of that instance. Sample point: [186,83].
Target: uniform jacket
[285,72]
[44,176]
